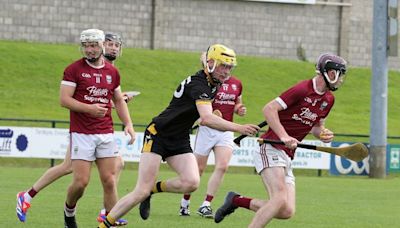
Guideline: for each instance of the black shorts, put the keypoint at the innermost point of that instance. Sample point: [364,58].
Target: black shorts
[165,146]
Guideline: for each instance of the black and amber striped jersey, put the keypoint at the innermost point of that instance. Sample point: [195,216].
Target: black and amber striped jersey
[178,118]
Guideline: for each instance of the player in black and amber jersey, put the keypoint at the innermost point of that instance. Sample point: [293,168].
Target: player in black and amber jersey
[167,136]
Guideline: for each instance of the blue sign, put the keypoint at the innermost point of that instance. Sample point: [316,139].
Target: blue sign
[22,143]
[343,166]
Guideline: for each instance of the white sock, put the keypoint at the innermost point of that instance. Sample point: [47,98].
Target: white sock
[27,197]
[206,203]
[69,212]
[185,203]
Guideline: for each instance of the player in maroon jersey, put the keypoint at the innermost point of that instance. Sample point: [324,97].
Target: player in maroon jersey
[227,101]
[298,111]
[112,48]
[87,88]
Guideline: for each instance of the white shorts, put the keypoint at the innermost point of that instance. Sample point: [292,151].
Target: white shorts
[208,138]
[88,147]
[268,156]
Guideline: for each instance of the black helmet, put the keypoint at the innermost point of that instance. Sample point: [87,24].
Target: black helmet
[116,38]
[113,37]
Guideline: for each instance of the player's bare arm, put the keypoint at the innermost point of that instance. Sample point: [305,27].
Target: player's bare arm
[67,101]
[240,109]
[270,112]
[123,113]
[208,119]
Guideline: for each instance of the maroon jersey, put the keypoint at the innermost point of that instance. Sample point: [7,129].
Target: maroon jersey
[303,108]
[226,97]
[92,85]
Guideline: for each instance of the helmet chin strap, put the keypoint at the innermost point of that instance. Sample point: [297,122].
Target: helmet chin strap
[110,57]
[92,60]
[213,68]
[329,82]
[213,81]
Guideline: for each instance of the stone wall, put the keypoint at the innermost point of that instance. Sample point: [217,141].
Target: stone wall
[61,21]
[287,31]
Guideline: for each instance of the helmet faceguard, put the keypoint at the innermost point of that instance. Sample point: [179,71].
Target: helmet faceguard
[112,40]
[220,55]
[327,62]
[92,37]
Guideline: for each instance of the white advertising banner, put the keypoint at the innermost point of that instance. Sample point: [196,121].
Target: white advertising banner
[243,155]
[53,142]
[304,158]
[311,159]
[32,142]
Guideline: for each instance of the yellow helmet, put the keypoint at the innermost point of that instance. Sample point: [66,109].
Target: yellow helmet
[221,54]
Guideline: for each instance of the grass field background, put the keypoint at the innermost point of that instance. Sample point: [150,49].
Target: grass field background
[30,78]
[321,201]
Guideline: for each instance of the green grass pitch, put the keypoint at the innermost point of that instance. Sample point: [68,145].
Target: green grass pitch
[321,201]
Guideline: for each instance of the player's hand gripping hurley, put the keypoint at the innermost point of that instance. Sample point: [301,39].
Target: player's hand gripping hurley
[239,138]
[355,152]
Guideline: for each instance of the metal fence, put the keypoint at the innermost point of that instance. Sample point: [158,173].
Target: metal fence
[65,124]
[56,123]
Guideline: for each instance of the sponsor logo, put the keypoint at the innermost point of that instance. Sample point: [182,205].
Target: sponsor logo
[6,140]
[225,96]
[225,86]
[311,101]
[94,91]
[6,133]
[348,167]
[204,96]
[96,99]
[229,102]
[343,166]
[306,116]
[86,75]
[394,158]
[147,139]
[22,143]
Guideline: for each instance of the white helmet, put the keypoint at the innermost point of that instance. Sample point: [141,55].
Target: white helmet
[92,35]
